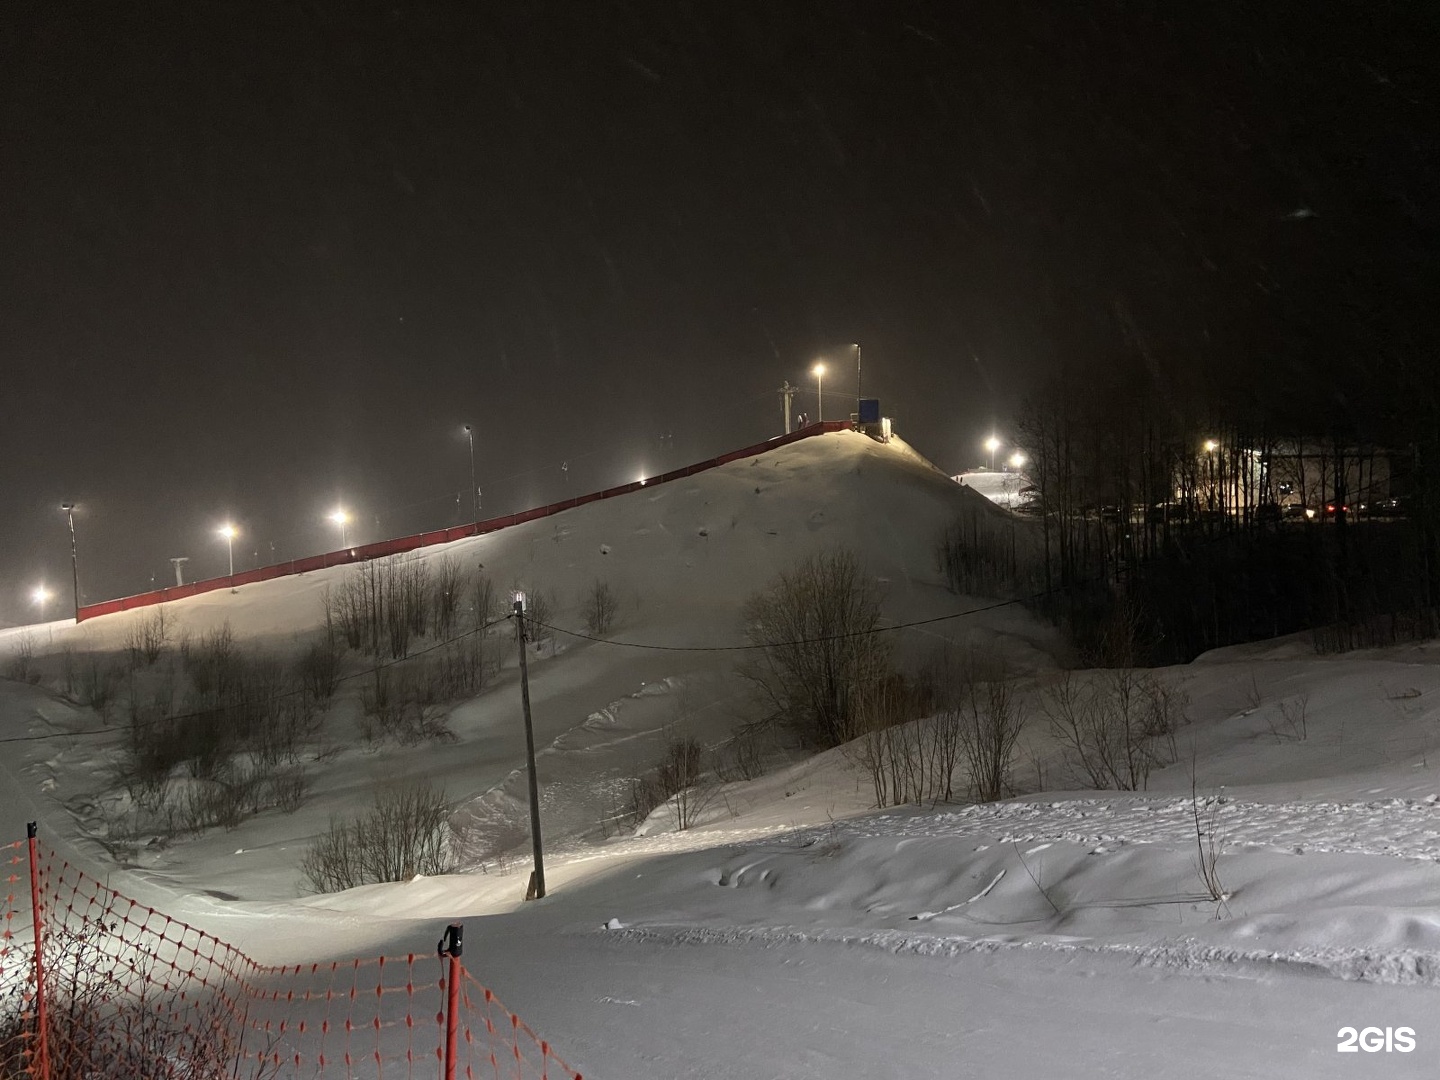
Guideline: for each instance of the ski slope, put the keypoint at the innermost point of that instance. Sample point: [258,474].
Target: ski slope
[797,932]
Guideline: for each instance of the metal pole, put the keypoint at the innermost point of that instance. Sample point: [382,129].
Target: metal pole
[786,392]
[539,875]
[69,509]
[820,397]
[474,491]
[857,383]
[451,946]
[42,1027]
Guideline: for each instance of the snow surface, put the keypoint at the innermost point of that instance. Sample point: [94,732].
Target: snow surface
[797,932]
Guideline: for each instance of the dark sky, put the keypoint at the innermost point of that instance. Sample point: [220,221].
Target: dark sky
[258,258]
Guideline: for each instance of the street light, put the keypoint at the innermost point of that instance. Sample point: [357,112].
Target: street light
[230,532]
[341,518]
[1211,446]
[69,508]
[474,491]
[819,372]
[41,596]
[1017,459]
[992,444]
[857,382]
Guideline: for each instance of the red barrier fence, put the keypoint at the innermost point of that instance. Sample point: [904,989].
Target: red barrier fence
[95,986]
[438,536]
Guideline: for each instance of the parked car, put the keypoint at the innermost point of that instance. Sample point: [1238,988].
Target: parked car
[1268,513]
[1396,507]
[1171,513]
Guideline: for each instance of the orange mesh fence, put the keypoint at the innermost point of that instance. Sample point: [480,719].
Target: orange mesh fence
[128,991]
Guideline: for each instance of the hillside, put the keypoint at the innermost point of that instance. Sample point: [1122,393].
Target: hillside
[794,930]
[681,558]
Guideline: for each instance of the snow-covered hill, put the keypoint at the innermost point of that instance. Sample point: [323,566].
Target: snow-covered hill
[796,932]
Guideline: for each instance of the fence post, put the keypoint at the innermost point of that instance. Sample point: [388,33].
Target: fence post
[42,1027]
[451,945]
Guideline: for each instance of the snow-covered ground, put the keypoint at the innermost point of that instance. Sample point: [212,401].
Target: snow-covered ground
[797,932]
[1001,488]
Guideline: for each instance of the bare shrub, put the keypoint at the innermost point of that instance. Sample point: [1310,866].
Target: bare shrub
[98,685]
[539,615]
[147,636]
[448,586]
[741,757]
[406,832]
[212,662]
[287,788]
[22,660]
[817,624]
[679,773]
[677,779]
[909,758]
[1207,844]
[115,1012]
[599,605]
[69,673]
[1295,711]
[398,705]
[319,668]
[484,603]
[987,724]
[1117,728]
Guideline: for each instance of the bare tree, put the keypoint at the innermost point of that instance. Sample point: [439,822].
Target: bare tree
[1117,727]
[599,606]
[147,636]
[988,726]
[448,585]
[818,626]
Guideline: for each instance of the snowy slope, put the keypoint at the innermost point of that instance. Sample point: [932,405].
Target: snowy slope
[797,933]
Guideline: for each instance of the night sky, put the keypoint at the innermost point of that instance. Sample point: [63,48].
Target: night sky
[260,259]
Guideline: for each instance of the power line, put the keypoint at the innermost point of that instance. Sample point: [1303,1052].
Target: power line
[801,641]
[647,646]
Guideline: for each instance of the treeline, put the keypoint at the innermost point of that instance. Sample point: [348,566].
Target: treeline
[1223,513]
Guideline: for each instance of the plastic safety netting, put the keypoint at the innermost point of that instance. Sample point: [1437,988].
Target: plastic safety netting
[118,989]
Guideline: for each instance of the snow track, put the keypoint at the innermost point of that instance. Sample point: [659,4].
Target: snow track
[1398,968]
[1403,828]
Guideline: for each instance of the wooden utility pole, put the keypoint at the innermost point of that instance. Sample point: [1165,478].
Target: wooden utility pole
[537,877]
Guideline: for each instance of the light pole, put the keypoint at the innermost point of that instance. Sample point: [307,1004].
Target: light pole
[341,518]
[229,532]
[474,491]
[41,596]
[69,508]
[819,372]
[992,444]
[857,382]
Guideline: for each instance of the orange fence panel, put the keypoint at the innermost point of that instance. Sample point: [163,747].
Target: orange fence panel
[118,989]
